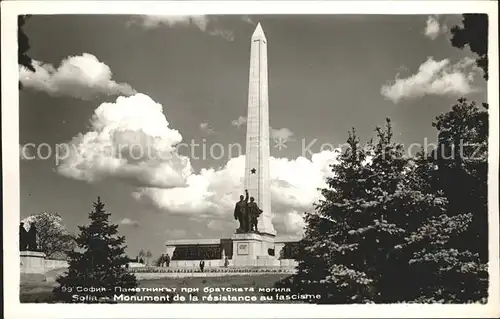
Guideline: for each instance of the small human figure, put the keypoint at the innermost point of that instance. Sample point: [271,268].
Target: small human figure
[167,260]
[226,262]
[202,265]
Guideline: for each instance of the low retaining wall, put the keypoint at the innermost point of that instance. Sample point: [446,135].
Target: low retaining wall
[288,263]
[196,263]
[34,262]
[220,263]
[55,264]
[159,275]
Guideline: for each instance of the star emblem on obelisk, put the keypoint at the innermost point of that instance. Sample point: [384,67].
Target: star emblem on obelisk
[253,170]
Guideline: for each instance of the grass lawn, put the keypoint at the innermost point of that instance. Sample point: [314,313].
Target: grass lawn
[41,292]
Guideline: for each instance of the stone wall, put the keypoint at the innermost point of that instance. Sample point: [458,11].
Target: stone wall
[158,275]
[220,263]
[55,264]
[196,263]
[288,263]
[34,262]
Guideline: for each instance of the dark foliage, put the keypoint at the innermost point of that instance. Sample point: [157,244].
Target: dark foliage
[23,58]
[386,231]
[461,160]
[473,33]
[101,262]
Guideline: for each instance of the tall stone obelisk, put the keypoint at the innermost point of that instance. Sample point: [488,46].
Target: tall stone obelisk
[257,142]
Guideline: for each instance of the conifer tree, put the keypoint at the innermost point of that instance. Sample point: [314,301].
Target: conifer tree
[99,263]
[446,272]
[371,238]
[448,251]
[462,174]
[392,209]
[330,261]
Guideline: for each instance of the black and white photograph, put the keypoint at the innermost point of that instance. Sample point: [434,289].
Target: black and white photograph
[250,157]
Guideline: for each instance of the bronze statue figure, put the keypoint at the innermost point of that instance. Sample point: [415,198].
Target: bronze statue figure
[27,239]
[23,234]
[241,214]
[32,245]
[247,213]
[253,213]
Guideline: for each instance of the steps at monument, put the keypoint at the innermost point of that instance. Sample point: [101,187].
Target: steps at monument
[230,269]
[147,273]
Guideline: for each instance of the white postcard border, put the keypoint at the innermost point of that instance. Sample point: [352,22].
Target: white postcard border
[10,159]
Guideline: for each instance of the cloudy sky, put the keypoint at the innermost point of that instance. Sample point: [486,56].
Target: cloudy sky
[106,87]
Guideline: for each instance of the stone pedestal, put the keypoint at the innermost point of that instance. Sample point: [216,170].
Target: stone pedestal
[252,249]
[32,262]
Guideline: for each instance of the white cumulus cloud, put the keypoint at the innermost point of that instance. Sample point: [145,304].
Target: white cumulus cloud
[129,139]
[153,21]
[203,22]
[207,128]
[166,179]
[283,134]
[248,20]
[290,223]
[239,121]
[434,78]
[212,193]
[223,33]
[432,27]
[129,222]
[82,76]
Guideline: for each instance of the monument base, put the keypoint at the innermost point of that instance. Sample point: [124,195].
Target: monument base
[254,249]
[32,262]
